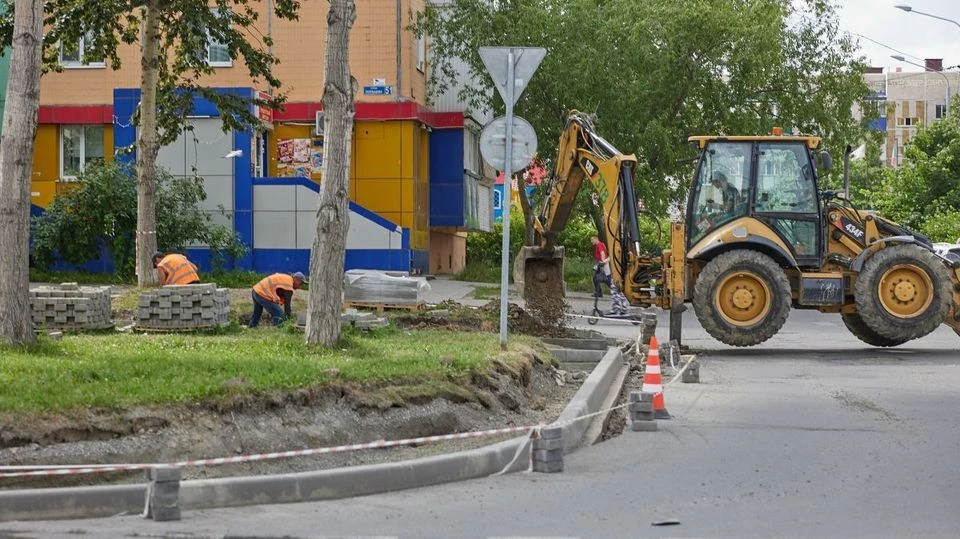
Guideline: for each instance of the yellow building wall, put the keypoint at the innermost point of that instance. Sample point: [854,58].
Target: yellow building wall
[45,181]
[389,170]
[298,44]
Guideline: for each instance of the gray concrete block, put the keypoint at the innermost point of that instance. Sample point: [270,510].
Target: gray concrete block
[555,443]
[547,455]
[551,433]
[643,426]
[641,407]
[642,416]
[548,467]
[164,514]
[692,374]
[163,474]
[634,396]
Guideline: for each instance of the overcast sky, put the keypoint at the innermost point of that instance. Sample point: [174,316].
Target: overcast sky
[913,34]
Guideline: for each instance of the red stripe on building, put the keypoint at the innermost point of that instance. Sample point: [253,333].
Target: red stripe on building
[75,114]
[406,110]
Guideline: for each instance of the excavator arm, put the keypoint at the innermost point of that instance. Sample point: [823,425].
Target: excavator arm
[583,157]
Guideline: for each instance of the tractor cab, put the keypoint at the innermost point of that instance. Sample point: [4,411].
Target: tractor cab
[761,190]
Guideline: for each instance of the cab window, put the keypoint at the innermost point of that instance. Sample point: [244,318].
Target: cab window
[785,179]
[720,190]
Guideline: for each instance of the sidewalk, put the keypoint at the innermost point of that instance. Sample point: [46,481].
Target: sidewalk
[444,287]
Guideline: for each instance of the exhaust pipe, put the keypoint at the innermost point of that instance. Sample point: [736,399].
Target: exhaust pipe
[846,172]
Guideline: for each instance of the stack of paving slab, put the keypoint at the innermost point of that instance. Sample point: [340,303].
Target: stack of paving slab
[382,287]
[363,320]
[69,306]
[184,307]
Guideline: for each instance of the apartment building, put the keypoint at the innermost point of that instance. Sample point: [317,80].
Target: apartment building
[415,176]
[901,101]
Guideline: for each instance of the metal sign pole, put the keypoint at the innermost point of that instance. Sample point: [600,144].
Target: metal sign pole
[508,195]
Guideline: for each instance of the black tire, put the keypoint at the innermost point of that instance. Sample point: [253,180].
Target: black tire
[862,331]
[593,321]
[757,298]
[903,292]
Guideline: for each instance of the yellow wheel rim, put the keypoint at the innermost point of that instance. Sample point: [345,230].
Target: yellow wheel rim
[905,291]
[743,298]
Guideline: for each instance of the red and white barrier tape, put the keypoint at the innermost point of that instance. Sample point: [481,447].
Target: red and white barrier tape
[75,469]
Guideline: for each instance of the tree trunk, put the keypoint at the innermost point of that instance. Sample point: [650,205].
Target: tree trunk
[333,218]
[147,148]
[528,232]
[16,167]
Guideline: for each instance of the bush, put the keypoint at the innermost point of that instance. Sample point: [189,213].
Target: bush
[99,213]
[484,248]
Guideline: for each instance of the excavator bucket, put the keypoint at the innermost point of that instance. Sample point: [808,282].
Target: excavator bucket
[538,273]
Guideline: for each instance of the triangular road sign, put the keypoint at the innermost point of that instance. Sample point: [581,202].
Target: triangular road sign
[526,61]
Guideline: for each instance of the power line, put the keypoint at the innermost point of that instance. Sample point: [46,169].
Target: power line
[874,41]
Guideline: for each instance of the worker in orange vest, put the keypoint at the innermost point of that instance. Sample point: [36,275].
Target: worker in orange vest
[175,269]
[273,292]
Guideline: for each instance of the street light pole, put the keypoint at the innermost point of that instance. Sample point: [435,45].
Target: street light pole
[945,78]
[909,9]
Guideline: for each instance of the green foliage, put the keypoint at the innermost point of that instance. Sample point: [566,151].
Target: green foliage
[924,193]
[106,26]
[486,247]
[655,73]
[100,211]
[123,370]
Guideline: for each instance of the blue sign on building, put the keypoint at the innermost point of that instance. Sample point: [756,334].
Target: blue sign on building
[377,90]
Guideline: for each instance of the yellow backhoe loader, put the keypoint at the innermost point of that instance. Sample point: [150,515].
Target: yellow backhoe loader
[758,237]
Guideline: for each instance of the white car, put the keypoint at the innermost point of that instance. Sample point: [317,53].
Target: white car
[950,251]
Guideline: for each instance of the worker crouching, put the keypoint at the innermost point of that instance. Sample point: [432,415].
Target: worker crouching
[275,294]
[175,269]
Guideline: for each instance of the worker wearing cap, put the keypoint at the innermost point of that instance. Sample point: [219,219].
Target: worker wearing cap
[272,292]
[175,269]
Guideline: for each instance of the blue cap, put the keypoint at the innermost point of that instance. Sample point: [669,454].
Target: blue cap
[299,275]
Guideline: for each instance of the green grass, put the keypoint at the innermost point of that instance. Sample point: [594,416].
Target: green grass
[577,272]
[80,277]
[475,272]
[124,370]
[486,292]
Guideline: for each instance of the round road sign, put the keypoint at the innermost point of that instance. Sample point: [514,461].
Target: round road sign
[493,143]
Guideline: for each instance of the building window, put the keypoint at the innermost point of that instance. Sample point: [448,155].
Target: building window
[421,53]
[80,145]
[940,111]
[79,53]
[906,122]
[497,199]
[217,53]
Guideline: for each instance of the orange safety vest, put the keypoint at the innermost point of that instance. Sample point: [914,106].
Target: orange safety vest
[177,270]
[267,287]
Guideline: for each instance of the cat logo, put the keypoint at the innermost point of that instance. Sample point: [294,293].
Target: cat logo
[588,166]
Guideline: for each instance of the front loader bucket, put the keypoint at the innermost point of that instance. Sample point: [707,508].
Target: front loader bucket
[538,273]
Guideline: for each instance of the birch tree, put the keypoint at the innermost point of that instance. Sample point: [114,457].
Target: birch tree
[333,218]
[16,166]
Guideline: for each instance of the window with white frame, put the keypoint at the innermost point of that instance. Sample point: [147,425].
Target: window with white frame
[940,111]
[80,145]
[421,53]
[79,53]
[218,55]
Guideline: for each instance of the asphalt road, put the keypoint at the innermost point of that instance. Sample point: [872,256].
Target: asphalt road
[810,435]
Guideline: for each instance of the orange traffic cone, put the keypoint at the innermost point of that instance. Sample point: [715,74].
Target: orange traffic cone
[652,382]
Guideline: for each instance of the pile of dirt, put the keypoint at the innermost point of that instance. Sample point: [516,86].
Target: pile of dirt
[519,390]
[487,318]
[521,321]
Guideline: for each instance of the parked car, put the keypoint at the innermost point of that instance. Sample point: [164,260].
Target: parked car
[950,251]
